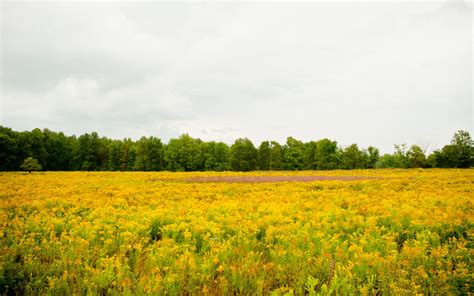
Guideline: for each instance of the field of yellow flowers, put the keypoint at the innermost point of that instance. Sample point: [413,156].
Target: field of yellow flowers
[390,232]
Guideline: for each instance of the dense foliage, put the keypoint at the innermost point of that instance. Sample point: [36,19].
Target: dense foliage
[57,152]
[398,232]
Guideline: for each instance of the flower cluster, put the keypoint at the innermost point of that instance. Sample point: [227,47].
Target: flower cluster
[393,232]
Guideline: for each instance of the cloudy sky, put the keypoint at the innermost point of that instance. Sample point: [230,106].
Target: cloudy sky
[370,73]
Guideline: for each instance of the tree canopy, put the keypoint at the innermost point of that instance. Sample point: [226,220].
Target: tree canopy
[243,155]
[54,151]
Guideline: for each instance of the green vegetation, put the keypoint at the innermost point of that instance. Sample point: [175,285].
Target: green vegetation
[31,164]
[397,232]
[57,152]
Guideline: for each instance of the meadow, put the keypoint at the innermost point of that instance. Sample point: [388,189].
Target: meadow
[367,232]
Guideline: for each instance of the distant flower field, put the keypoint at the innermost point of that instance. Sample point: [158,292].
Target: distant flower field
[369,232]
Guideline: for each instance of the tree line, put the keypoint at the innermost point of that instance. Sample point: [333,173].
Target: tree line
[54,151]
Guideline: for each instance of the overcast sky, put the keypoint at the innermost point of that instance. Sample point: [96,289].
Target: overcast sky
[366,72]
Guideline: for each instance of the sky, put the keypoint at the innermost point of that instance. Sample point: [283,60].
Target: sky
[371,73]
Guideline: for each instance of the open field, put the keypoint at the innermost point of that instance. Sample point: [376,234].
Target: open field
[364,232]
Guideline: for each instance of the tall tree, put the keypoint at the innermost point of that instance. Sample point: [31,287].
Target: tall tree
[215,156]
[9,150]
[87,155]
[325,156]
[401,156]
[276,156]
[463,149]
[416,157]
[373,156]
[126,161]
[32,145]
[184,154]
[115,151]
[149,154]
[264,156]
[270,156]
[353,158]
[59,151]
[243,155]
[293,154]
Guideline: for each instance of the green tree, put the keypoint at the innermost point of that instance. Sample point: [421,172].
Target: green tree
[458,154]
[149,154]
[399,159]
[401,156]
[431,160]
[416,157]
[276,156]
[32,144]
[184,154]
[270,156]
[463,152]
[373,156]
[325,155]
[353,158]
[127,158]
[215,156]
[31,164]
[102,159]
[243,155]
[388,161]
[88,150]
[221,154]
[58,151]
[310,155]
[115,151]
[447,157]
[293,154]
[264,152]
[9,149]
